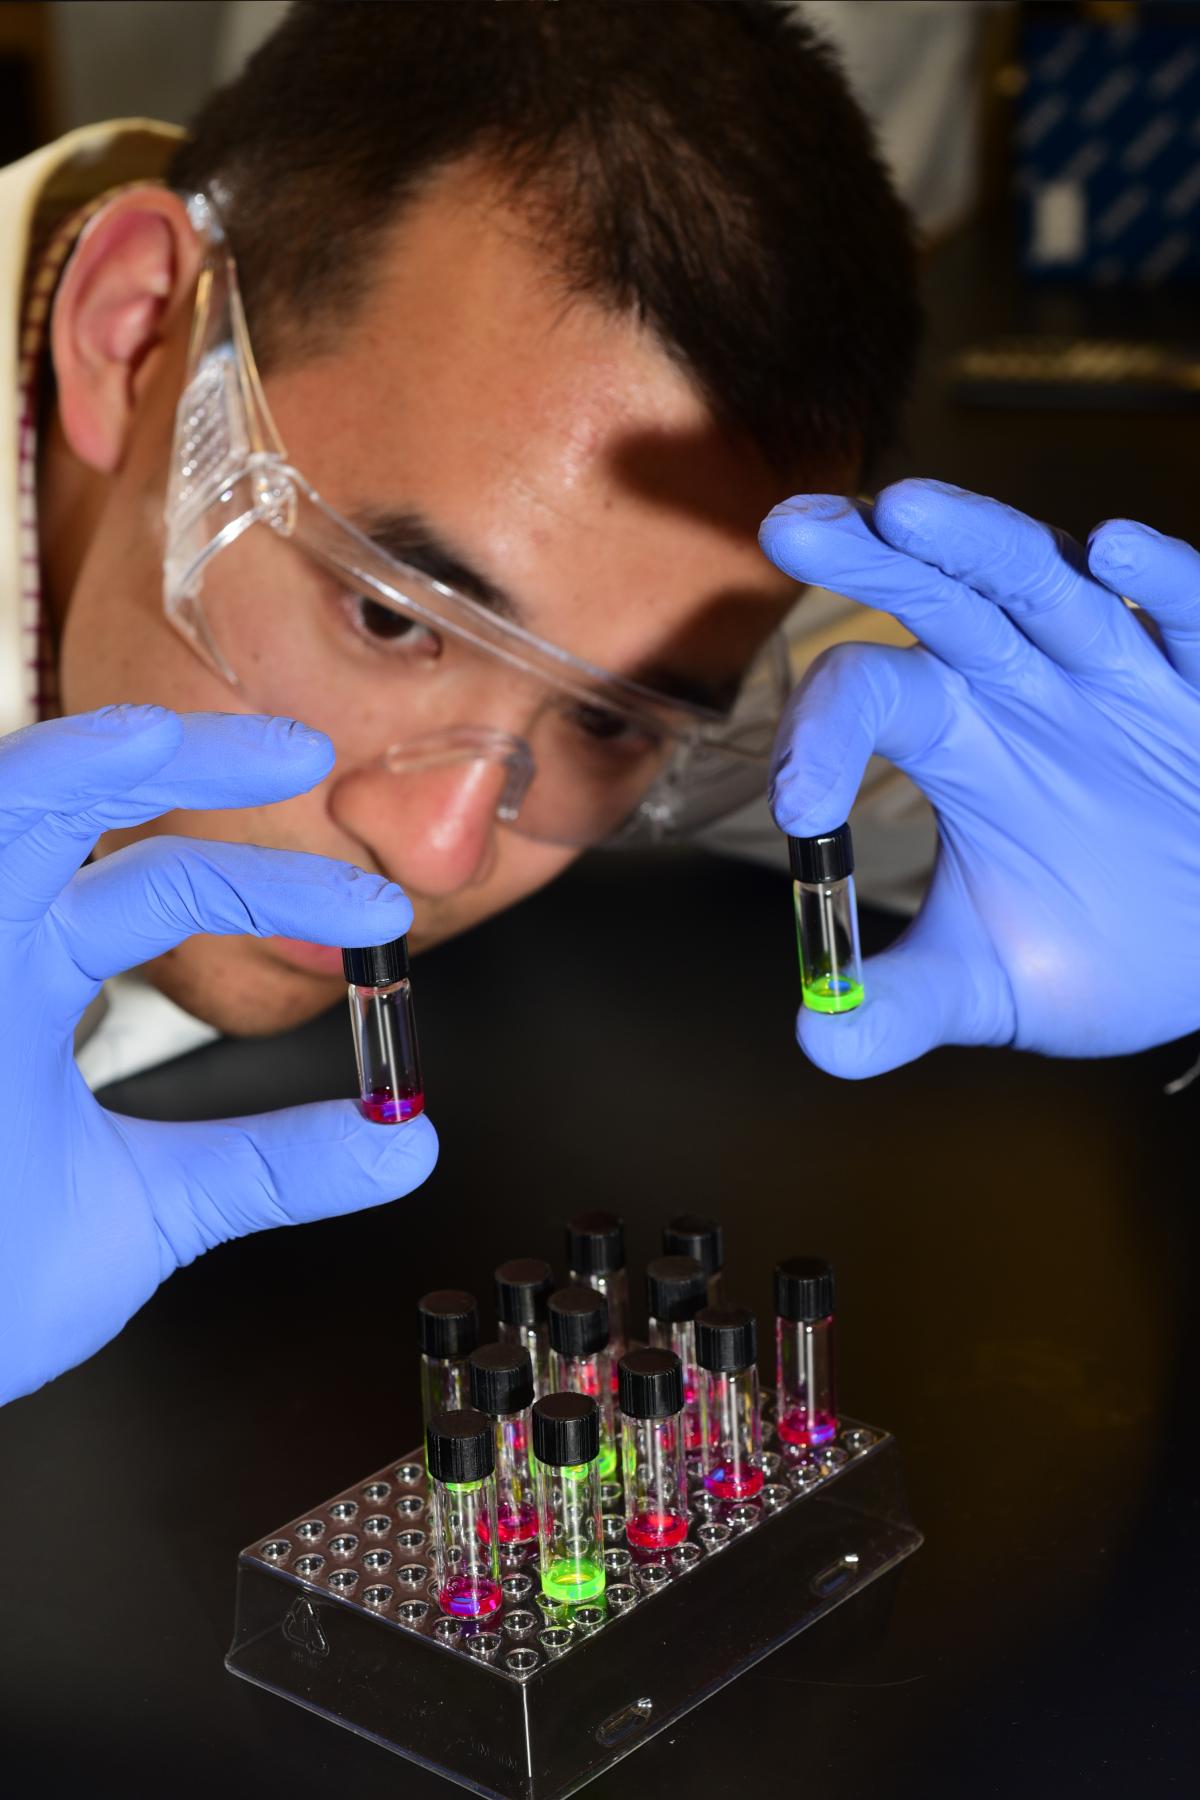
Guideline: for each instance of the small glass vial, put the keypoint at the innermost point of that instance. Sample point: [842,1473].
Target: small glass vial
[502,1389]
[390,1086]
[580,1361]
[447,1332]
[566,1451]
[653,1458]
[596,1258]
[522,1288]
[692,1235]
[807,1410]
[827,921]
[460,1451]
[727,1352]
[676,1290]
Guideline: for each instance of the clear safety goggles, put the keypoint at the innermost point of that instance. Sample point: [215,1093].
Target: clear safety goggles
[306,616]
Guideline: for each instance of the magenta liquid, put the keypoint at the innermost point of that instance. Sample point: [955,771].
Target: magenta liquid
[386,1108]
[804,1430]
[515,1524]
[656,1530]
[734,1481]
[470,1596]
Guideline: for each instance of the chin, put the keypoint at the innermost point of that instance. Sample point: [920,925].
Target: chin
[232,984]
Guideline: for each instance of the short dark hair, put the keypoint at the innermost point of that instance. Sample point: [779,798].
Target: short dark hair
[699,165]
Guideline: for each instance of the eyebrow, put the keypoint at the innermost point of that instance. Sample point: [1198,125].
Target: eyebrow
[409,537]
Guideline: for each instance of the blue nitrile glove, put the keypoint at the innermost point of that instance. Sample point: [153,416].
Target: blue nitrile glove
[96,1209]
[1059,746]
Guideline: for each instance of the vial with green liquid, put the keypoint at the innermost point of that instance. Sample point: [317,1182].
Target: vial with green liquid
[566,1460]
[827,921]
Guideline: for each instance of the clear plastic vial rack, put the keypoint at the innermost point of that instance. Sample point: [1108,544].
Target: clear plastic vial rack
[338,1611]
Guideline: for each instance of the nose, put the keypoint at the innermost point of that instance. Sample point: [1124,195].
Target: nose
[431,829]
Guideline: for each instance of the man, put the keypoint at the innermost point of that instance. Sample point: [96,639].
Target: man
[543,331]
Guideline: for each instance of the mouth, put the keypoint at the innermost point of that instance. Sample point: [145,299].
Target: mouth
[313,959]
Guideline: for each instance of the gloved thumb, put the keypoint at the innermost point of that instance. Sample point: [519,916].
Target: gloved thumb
[928,989]
[220,1180]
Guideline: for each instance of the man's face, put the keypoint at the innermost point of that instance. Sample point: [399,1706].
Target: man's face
[556,450]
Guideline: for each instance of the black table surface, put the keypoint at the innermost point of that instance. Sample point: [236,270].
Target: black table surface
[1014,1240]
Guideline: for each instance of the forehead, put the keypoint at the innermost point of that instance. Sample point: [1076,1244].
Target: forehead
[552,442]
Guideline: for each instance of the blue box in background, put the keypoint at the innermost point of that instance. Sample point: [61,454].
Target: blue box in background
[1107,147]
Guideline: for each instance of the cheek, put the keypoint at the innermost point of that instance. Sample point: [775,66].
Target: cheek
[116,642]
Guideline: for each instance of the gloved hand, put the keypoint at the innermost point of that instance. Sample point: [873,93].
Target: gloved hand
[96,1209]
[1059,745]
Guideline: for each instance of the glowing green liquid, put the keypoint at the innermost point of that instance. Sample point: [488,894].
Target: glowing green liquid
[572,1583]
[823,995]
[606,1462]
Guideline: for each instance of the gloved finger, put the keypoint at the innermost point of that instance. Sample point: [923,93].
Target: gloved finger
[855,701]
[233,1176]
[148,897]
[833,542]
[216,760]
[1036,574]
[1163,575]
[67,765]
[920,993]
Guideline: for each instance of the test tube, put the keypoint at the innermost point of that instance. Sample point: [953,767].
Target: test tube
[502,1389]
[676,1290]
[580,1360]
[731,1424]
[522,1288]
[596,1258]
[692,1235]
[827,921]
[566,1451]
[807,1408]
[390,1087]
[447,1332]
[653,1458]
[460,1451]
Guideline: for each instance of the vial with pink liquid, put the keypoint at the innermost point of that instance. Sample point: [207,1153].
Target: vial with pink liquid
[807,1407]
[502,1390]
[653,1452]
[390,1086]
[461,1452]
[731,1423]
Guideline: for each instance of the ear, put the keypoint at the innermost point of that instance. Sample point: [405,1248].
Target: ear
[129,278]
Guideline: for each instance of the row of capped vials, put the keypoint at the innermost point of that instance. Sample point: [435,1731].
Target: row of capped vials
[522,1434]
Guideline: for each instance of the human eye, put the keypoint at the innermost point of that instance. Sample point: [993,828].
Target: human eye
[612,732]
[382,626]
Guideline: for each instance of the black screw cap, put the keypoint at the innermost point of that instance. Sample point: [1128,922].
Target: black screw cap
[804,1289]
[595,1243]
[522,1288]
[461,1446]
[578,1321]
[829,857]
[376,965]
[726,1339]
[566,1430]
[447,1323]
[651,1384]
[676,1288]
[501,1379]
[691,1235]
